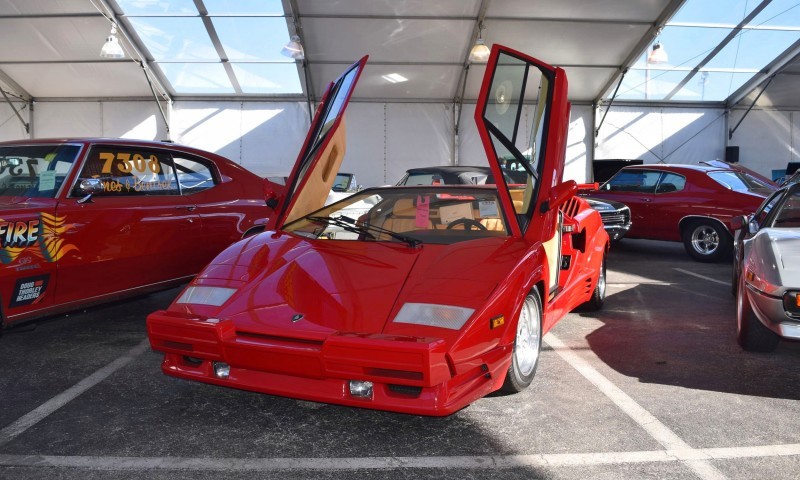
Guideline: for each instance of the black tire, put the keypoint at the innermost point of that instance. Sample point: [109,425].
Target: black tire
[599,295]
[527,345]
[706,240]
[751,334]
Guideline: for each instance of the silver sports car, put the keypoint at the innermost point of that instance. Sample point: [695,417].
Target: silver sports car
[766,272]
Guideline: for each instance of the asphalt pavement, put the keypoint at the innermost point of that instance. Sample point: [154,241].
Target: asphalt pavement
[652,386]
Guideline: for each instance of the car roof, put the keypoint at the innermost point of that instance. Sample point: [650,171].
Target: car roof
[450,169]
[672,167]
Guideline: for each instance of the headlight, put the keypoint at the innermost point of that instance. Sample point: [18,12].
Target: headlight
[206,295]
[791,303]
[432,315]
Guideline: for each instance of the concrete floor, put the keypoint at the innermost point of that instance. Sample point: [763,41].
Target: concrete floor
[652,386]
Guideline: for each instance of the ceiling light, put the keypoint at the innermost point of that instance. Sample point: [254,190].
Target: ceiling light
[112,48]
[394,78]
[480,52]
[294,49]
[658,54]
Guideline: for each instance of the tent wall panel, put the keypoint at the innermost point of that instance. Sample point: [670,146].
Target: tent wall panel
[418,135]
[766,139]
[68,119]
[657,134]
[366,144]
[10,126]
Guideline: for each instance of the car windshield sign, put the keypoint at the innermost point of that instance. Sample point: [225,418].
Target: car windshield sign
[35,171]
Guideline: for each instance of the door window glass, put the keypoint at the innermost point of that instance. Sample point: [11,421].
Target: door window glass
[671,182]
[639,181]
[193,176]
[129,171]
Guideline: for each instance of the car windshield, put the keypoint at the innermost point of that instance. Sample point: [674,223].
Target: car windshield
[342,182]
[437,215]
[740,182]
[788,214]
[35,170]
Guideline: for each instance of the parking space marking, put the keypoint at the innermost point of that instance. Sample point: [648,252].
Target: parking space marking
[42,411]
[688,456]
[660,432]
[687,272]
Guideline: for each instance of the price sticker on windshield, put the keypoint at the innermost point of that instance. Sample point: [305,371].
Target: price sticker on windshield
[422,219]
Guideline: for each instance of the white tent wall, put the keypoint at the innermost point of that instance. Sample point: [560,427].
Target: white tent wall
[384,139]
[10,126]
[767,139]
[660,134]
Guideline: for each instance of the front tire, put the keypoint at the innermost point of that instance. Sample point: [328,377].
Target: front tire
[706,241]
[751,334]
[527,345]
[599,295]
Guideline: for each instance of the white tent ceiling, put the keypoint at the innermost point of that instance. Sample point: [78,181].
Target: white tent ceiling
[51,47]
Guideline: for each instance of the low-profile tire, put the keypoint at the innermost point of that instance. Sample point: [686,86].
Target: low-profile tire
[751,334]
[527,345]
[706,240]
[599,294]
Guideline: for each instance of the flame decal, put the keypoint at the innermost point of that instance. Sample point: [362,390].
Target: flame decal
[9,254]
[52,247]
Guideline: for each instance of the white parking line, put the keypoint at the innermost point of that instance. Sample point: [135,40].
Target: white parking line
[687,272]
[42,411]
[660,432]
[688,456]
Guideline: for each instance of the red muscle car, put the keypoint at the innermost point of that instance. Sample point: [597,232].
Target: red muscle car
[689,203]
[90,220]
[438,295]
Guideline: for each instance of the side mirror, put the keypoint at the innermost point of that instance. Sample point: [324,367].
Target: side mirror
[560,194]
[90,186]
[270,195]
[752,226]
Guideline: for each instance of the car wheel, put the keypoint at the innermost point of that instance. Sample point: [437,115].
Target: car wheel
[706,241]
[599,295]
[527,345]
[751,334]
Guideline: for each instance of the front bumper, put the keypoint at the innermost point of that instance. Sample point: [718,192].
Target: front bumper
[409,374]
[770,311]
[616,224]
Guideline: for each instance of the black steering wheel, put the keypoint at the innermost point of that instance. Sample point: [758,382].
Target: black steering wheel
[468,224]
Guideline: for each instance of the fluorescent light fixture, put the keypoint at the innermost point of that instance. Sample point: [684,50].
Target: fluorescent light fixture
[294,49]
[395,78]
[112,48]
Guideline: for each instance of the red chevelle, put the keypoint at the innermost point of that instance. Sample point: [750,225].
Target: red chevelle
[433,297]
[689,203]
[90,220]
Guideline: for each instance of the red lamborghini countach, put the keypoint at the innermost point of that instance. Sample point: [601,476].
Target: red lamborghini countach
[428,297]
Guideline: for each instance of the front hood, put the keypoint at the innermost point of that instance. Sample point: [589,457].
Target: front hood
[312,288]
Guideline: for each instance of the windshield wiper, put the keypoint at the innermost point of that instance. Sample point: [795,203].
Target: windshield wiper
[353,225]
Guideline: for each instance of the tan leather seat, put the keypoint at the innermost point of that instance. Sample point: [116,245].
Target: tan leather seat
[403,218]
